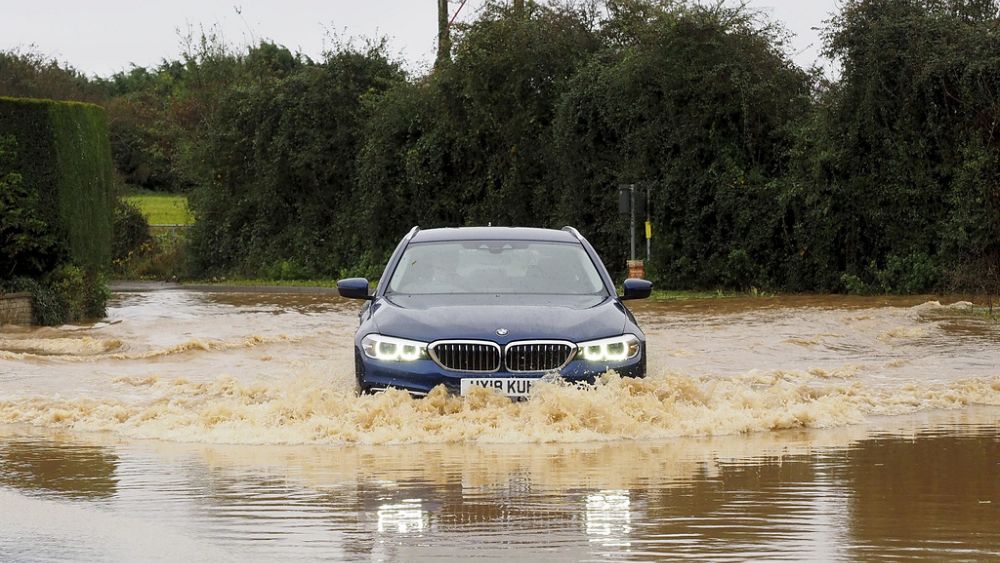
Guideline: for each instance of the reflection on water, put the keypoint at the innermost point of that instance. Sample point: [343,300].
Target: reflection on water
[196,426]
[609,517]
[405,517]
[73,472]
[952,480]
[916,487]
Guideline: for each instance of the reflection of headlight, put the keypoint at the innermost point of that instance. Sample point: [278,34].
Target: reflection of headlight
[392,349]
[617,349]
[404,518]
[609,514]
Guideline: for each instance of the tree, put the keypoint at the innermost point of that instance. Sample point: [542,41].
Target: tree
[471,144]
[911,128]
[697,104]
[279,196]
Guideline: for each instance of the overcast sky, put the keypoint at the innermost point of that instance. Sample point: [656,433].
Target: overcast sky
[105,36]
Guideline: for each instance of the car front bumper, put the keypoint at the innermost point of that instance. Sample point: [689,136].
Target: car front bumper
[420,376]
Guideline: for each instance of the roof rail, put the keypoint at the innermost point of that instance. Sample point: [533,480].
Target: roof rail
[413,231]
[573,232]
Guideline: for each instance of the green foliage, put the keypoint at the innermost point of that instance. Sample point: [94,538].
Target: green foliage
[67,294]
[762,174]
[46,308]
[69,288]
[902,160]
[156,114]
[131,232]
[55,207]
[287,270]
[29,74]
[64,162]
[279,182]
[910,274]
[83,161]
[853,285]
[971,244]
[142,251]
[472,144]
[28,247]
[695,104]
[144,142]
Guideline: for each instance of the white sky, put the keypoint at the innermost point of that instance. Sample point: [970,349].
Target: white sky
[105,36]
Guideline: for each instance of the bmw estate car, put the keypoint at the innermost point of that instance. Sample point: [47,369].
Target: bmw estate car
[493,307]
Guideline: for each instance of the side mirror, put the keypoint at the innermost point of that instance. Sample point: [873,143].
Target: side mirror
[353,288]
[637,289]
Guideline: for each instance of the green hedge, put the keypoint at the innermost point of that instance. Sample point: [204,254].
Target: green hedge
[63,155]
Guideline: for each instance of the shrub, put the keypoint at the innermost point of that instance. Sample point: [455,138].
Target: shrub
[740,271]
[162,256]
[96,295]
[915,273]
[131,231]
[68,294]
[290,269]
[853,285]
[278,195]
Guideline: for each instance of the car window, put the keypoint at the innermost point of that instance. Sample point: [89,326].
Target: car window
[496,267]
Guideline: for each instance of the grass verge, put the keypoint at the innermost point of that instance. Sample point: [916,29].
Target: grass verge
[686,295]
[162,209]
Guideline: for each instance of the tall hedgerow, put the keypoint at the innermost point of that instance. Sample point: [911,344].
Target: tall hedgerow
[63,157]
[56,202]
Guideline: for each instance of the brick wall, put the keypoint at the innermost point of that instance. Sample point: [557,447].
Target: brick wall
[15,308]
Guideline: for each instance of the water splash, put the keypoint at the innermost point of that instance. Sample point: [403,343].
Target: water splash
[309,410]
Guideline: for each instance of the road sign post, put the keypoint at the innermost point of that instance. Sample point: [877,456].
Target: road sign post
[626,205]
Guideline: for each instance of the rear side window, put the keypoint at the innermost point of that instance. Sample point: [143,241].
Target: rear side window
[505,267]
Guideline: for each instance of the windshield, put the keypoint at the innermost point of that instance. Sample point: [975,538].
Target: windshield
[496,266]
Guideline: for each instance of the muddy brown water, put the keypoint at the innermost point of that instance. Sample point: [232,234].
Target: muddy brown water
[221,426]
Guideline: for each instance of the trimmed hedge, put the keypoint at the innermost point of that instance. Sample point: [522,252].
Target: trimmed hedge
[63,155]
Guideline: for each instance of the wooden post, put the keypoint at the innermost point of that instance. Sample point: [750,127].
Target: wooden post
[444,35]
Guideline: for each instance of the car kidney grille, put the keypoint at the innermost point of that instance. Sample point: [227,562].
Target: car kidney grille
[542,356]
[467,356]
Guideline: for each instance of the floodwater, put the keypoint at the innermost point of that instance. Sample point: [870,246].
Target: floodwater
[222,426]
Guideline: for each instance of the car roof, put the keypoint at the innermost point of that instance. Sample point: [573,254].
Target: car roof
[494,233]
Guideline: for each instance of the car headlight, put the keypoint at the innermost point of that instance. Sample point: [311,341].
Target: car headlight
[617,349]
[392,349]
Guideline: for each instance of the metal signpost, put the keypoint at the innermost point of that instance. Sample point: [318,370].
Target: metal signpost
[626,206]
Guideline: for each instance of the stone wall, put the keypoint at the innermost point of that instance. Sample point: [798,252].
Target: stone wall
[15,308]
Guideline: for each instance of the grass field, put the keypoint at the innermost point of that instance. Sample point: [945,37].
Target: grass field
[162,209]
[685,295]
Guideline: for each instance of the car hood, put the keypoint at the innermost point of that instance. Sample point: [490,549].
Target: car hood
[477,317]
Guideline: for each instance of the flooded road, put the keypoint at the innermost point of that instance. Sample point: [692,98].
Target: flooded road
[217,426]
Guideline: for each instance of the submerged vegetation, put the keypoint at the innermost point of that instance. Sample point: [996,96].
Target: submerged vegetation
[762,174]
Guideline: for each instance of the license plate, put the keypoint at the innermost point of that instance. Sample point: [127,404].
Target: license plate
[509,386]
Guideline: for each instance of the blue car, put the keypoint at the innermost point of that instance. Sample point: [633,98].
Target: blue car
[493,307]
